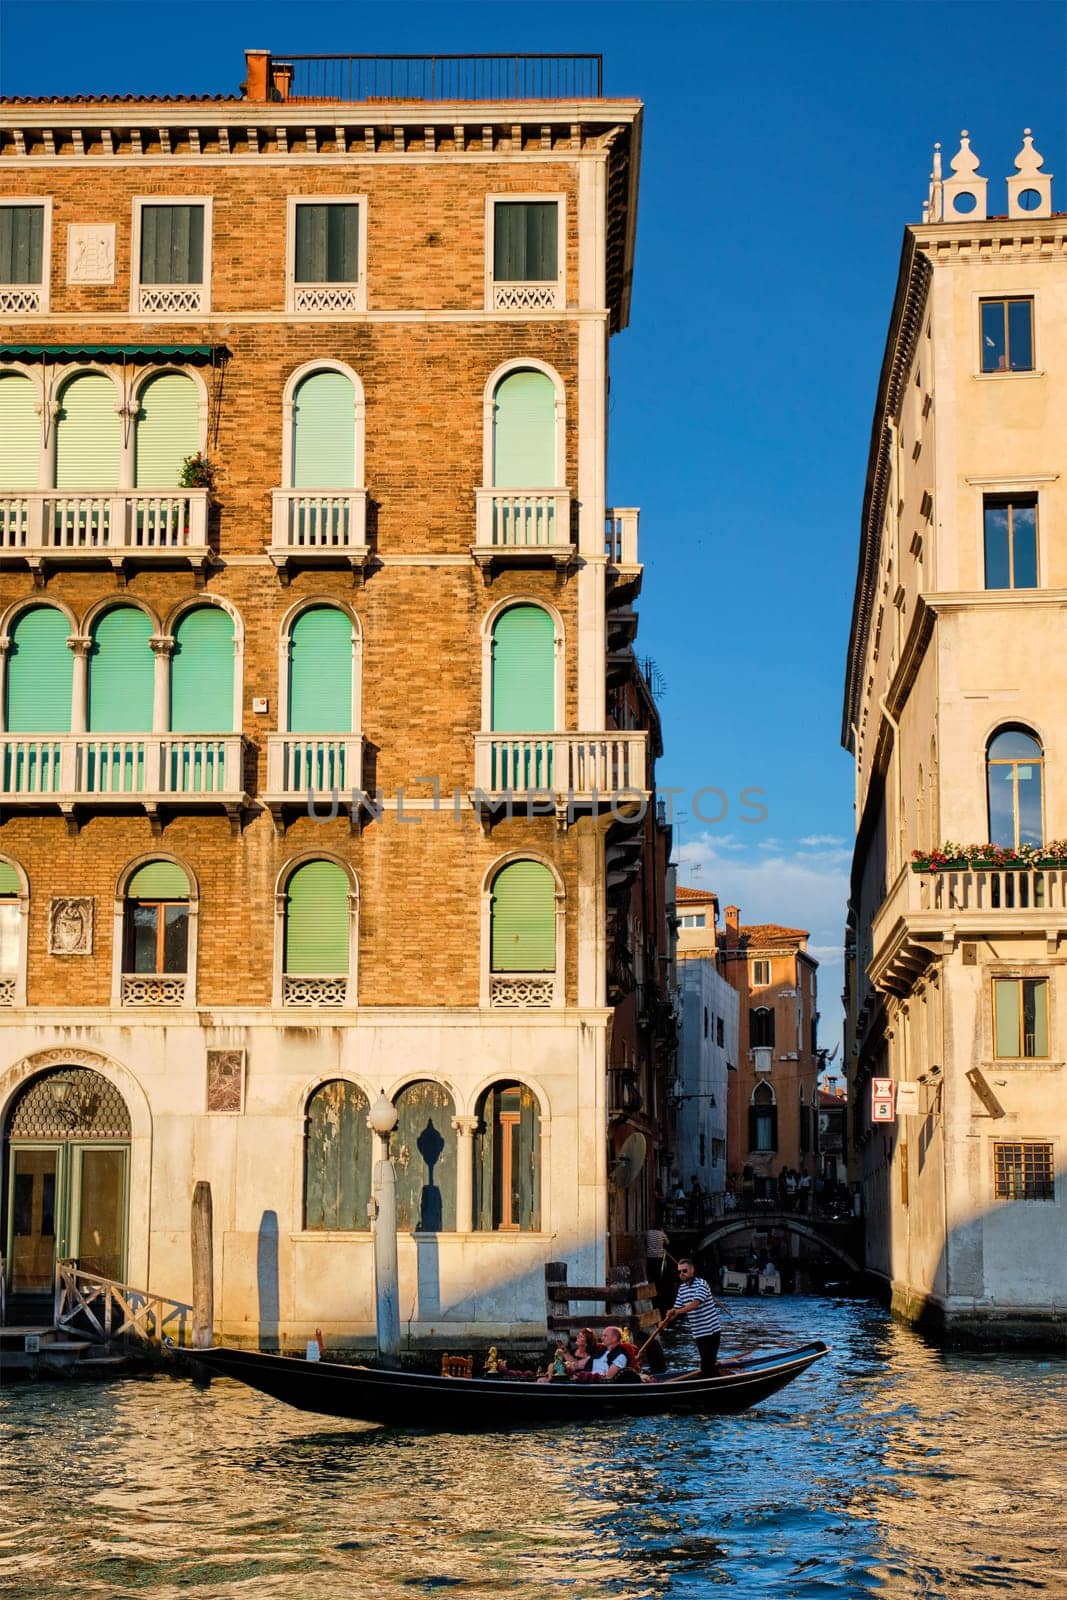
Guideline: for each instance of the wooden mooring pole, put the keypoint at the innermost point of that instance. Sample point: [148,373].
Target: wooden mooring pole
[203,1268]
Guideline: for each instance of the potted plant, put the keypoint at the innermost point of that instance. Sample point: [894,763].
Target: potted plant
[197,472]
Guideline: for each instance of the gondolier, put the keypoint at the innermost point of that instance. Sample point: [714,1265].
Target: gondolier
[695,1300]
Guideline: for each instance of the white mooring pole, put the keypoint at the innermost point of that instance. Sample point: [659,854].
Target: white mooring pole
[382,1121]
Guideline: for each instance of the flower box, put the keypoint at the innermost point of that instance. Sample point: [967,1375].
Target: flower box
[957,865]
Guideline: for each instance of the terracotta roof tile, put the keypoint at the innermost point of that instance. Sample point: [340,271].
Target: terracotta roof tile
[119,99]
[696,894]
[765,932]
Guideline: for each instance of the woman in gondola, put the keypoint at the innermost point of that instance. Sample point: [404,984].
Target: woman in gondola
[586,1349]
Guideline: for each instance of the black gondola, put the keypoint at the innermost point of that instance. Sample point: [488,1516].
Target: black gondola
[421,1400]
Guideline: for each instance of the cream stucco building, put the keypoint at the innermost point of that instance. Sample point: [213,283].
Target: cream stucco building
[956,714]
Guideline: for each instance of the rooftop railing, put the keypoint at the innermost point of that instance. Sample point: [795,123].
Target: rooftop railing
[443,77]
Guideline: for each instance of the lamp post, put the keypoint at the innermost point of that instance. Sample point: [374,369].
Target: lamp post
[382,1121]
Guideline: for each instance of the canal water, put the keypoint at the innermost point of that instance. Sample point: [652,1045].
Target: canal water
[889,1469]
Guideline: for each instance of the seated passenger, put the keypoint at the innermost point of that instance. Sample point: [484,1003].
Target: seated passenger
[613,1362]
[586,1347]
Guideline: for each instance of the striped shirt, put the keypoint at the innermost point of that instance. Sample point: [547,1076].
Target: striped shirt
[704,1318]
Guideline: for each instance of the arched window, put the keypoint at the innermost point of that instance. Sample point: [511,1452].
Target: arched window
[167,430]
[523,696]
[121,672]
[320,671]
[763,1119]
[40,672]
[201,672]
[12,935]
[424,1156]
[20,429]
[507,1161]
[317,940]
[324,432]
[337,1159]
[1014,780]
[761,1026]
[524,432]
[88,433]
[155,935]
[523,919]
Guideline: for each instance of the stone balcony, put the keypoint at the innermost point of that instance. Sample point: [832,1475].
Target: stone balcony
[116,527]
[310,768]
[923,914]
[620,547]
[560,771]
[318,527]
[522,527]
[108,771]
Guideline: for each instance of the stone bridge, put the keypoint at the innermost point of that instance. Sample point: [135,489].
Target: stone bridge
[842,1239]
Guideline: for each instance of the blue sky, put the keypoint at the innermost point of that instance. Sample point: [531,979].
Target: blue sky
[786,145]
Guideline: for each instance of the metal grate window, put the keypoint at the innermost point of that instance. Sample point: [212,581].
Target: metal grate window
[70,1103]
[1023,1172]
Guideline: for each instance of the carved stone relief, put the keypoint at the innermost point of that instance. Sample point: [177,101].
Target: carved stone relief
[91,252]
[225,1080]
[70,927]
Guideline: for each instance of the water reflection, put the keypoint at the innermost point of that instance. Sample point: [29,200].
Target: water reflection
[887,1470]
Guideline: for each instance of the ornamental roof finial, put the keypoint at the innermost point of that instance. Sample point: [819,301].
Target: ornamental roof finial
[1029,189]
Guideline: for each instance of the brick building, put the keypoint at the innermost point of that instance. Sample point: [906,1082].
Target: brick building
[302,487]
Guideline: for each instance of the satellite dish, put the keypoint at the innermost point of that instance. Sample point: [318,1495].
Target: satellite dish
[631,1159]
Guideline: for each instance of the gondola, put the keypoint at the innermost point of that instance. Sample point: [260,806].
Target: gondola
[421,1400]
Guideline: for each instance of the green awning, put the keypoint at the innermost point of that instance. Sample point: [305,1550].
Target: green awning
[125,352]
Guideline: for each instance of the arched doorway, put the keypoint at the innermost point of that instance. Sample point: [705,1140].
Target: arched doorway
[66,1179]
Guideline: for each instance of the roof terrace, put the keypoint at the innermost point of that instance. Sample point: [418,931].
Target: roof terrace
[456,78]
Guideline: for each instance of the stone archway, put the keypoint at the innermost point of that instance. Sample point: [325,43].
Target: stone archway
[755,1221]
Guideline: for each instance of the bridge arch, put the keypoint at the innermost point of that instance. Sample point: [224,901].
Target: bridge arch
[776,1219]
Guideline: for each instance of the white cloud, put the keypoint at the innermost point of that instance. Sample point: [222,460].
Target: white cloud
[813,840]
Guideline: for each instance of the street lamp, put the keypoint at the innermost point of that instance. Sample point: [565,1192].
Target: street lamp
[382,1121]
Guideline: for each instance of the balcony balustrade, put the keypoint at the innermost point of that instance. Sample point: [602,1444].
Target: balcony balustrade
[319,764]
[588,770]
[923,913]
[101,770]
[620,547]
[57,526]
[324,527]
[522,527]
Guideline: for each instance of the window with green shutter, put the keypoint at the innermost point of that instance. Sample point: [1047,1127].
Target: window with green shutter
[523,918]
[121,672]
[88,433]
[337,1159]
[327,243]
[201,672]
[524,431]
[316,920]
[524,671]
[525,241]
[424,1155]
[172,244]
[320,672]
[21,244]
[324,432]
[20,430]
[167,430]
[40,673]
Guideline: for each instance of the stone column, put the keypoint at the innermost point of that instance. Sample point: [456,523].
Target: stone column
[162,648]
[465,1127]
[81,645]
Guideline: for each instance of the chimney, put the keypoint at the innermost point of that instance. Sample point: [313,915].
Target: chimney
[282,76]
[257,75]
[733,922]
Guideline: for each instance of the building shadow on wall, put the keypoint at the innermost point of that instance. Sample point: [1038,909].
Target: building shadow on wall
[267,1280]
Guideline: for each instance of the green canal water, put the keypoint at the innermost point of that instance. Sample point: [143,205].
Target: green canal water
[888,1470]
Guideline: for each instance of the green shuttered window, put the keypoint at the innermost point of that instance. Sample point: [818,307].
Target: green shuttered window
[168,430]
[316,922]
[526,241]
[172,244]
[327,243]
[337,1160]
[524,919]
[324,432]
[320,672]
[88,433]
[524,671]
[524,432]
[9,880]
[40,673]
[21,244]
[158,880]
[201,672]
[20,430]
[121,673]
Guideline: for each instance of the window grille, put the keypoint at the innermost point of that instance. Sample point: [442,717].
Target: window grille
[1023,1172]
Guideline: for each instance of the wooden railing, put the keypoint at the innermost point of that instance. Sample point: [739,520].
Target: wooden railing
[95,522]
[116,1310]
[628,1298]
